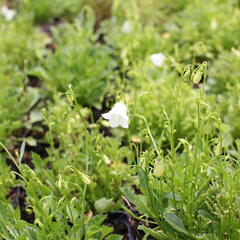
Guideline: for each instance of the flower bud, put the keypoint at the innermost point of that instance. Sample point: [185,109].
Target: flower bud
[197,77]
[186,76]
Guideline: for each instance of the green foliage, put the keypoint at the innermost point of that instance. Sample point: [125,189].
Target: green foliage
[43,11]
[74,61]
[224,73]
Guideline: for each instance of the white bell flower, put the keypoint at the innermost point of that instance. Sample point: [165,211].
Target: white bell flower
[117,116]
[126,28]
[157,59]
[7,13]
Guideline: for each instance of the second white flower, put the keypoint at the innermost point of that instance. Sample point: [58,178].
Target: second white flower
[157,59]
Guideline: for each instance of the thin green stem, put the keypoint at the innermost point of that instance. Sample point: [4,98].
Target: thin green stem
[149,133]
[10,155]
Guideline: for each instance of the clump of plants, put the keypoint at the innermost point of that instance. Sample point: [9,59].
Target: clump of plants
[117,125]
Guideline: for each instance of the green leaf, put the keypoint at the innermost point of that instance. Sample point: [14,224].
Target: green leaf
[31,141]
[206,215]
[114,237]
[39,73]
[96,220]
[158,168]
[103,205]
[94,228]
[170,196]
[175,222]
[22,151]
[153,233]
[212,236]
[36,116]
[139,201]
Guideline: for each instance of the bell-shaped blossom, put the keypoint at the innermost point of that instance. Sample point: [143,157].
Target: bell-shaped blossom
[157,59]
[7,13]
[126,28]
[117,116]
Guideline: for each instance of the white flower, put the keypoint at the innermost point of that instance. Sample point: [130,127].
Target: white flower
[117,116]
[157,59]
[126,28]
[7,13]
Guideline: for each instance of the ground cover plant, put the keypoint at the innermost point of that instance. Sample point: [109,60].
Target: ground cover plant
[119,119]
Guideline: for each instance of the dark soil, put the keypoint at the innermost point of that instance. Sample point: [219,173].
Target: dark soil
[96,115]
[46,27]
[121,223]
[33,81]
[125,225]
[17,196]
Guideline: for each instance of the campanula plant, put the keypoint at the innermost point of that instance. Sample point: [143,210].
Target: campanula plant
[119,119]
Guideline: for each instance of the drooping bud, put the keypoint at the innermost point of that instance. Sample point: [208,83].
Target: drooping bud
[199,72]
[197,77]
[187,72]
